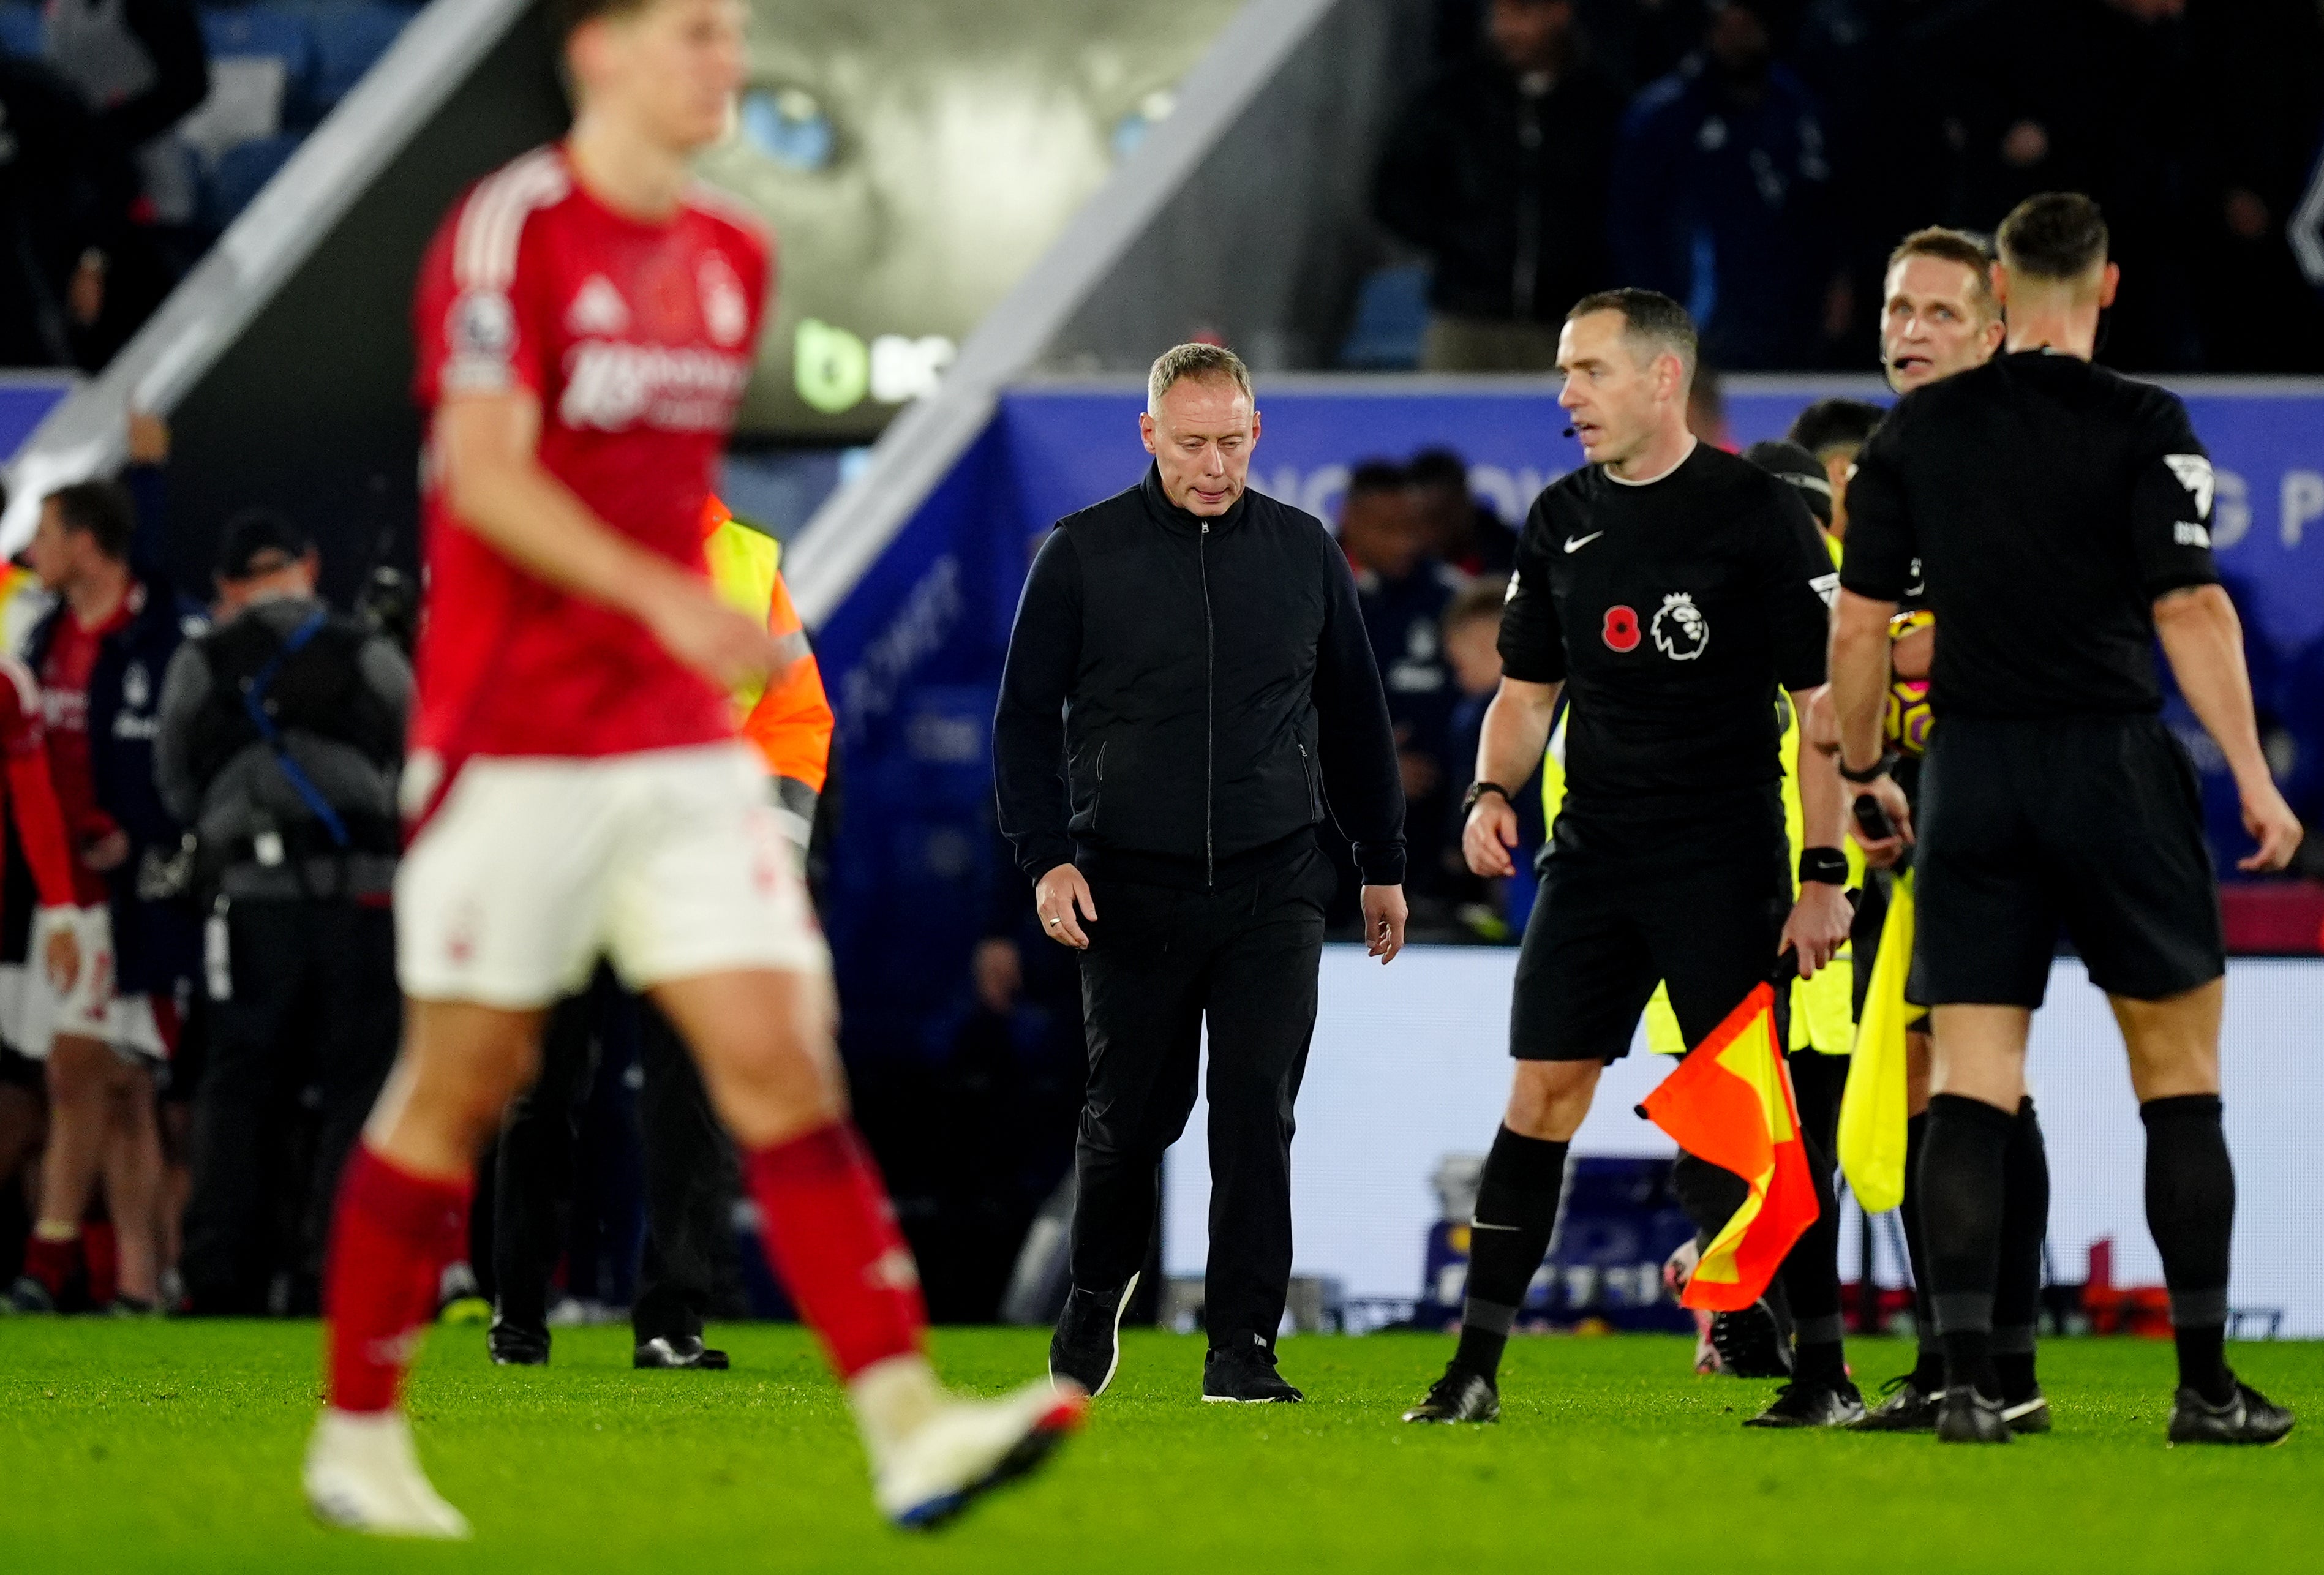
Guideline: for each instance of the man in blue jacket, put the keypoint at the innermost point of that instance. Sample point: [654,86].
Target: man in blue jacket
[1188,683]
[1721,200]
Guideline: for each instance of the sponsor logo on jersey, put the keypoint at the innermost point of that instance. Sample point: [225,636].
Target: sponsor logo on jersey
[2194,474]
[1576,543]
[724,310]
[2186,533]
[1680,631]
[597,309]
[1620,629]
[611,387]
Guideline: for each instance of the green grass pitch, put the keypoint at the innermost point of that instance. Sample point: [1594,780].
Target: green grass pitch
[175,1447]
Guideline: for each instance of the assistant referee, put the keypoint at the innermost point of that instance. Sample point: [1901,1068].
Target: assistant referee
[2062,512]
[1189,691]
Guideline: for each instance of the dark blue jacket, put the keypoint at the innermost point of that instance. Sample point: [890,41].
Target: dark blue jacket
[156,941]
[1727,208]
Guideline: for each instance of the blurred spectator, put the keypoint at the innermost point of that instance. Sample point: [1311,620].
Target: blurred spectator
[1706,410]
[281,736]
[141,67]
[97,655]
[1498,171]
[1835,431]
[2259,124]
[62,204]
[1472,632]
[1403,587]
[1721,198]
[1464,530]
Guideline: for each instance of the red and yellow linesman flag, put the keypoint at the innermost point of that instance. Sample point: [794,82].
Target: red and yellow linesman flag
[1730,1102]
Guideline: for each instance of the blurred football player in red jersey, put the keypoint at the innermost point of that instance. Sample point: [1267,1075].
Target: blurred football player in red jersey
[584,323]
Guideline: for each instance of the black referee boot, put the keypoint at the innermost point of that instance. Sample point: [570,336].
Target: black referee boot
[2249,1417]
[1087,1345]
[1245,1375]
[1966,1416]
[1812,1402]
[1906,1408]
[1460,1395]
[511,1345]
[678,1351]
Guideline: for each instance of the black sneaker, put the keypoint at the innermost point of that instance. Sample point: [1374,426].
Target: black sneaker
[29,1295]
[1908,1408]
[513,1346]
[1966,1416]
[678,1351]
[1750,1343]
[1245,1375]
[1459,1396]
[2251,1417]
[1087,1345]
[1808,1402]
[2027,1413]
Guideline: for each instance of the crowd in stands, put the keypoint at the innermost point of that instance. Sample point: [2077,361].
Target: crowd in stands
[1756,159]
[132,131]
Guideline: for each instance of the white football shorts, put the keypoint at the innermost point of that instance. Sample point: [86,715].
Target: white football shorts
[32,1013]
[669,863]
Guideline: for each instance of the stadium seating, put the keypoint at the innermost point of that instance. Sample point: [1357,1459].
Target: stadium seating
[1391,317]
[20,28]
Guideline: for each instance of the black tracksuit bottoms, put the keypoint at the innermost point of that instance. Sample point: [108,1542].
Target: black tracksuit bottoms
[1162,963]
[690,1179]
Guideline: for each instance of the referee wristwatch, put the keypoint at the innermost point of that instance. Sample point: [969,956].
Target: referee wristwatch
[1871,773]
[1479,789]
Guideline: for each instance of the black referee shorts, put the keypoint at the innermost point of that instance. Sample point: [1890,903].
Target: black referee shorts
[2094,824]
[1607,927]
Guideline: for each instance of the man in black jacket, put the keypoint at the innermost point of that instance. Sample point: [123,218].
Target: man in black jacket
[1187,682]
[1498,170]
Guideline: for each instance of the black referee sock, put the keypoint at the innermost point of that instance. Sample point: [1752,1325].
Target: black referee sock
[2024,1226]
[1963,1184]
[1516,1209]
[1811,1276]
[1929,1365]
[2190,1208]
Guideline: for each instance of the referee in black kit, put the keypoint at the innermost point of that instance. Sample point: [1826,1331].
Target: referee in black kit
[1189,691]
[1668,590]
[2062,514]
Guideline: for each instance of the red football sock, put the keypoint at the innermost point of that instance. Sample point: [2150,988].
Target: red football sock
[100,1251]
[51,1262]
[392,1235]
[831,1237]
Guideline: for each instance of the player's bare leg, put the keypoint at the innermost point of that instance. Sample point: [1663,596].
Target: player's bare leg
[402,1215]
[2190,1208]
[79,1075]
[764,1040]
[132,1181]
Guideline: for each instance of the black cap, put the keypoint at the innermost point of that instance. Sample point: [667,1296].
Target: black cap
[1803,470]
[254,533]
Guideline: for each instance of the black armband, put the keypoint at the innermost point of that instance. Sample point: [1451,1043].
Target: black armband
[1823,867]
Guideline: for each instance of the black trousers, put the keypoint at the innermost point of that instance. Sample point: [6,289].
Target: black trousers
[1161,963]
[689,1172]
[315,1006]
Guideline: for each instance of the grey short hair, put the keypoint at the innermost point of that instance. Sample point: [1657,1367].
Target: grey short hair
[1196,360]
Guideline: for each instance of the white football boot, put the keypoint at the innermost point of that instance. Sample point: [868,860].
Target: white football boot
[933,1452]
[362,1474]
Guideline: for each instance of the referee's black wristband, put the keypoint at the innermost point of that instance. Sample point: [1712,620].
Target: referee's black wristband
[1823,867]
[1872,773]
[1479,789]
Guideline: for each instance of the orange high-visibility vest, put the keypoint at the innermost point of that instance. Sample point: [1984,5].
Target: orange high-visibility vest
[788,718]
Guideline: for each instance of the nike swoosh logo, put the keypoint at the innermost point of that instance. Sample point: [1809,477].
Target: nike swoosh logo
[1576,543]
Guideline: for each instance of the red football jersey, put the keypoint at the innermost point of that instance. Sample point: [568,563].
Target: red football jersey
[637,338]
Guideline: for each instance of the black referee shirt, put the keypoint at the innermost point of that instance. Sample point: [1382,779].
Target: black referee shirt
[1672,611]
[2051,502]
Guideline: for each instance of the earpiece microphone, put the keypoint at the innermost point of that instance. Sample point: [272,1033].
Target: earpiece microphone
[1569,431]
